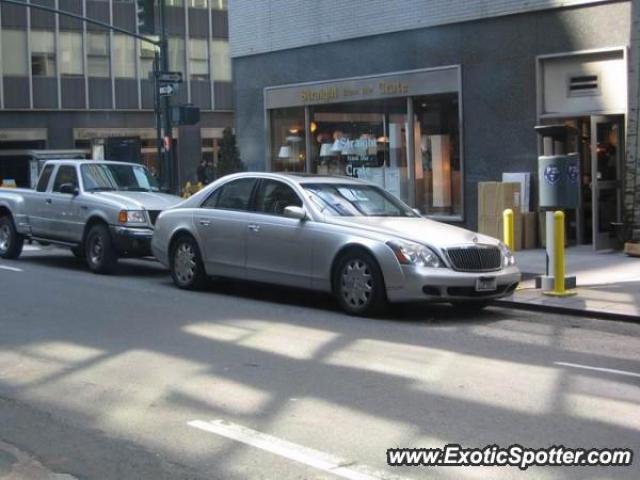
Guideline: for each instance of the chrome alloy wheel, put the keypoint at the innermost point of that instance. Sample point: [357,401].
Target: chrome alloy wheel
[356,283]
[96,249]
[5,238]
[184,263]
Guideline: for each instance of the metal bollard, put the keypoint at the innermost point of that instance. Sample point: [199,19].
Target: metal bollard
[507,229]
[558,258]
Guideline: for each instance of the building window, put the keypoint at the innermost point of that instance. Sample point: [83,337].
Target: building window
[198,59]
[219,4]
[98,54]
[198,3]
[70,54]
[176,54]
[437,155]
[14,53]
[175,3]
[43,54]
[124,57]
[287,140]
[220,61]
[147,55]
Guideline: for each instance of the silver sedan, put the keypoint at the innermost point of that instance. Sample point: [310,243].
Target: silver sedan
[338,235]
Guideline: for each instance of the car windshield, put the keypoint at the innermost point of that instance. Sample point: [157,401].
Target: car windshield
[354,200]
[102,177]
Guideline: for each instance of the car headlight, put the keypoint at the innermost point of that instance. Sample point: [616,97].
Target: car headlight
[409,253]
[507,256]
[132,216]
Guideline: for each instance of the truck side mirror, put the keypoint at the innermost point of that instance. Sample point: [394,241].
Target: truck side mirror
[69,188]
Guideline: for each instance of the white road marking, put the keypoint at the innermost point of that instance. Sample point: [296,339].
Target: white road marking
[11,269]
[307,456]
[599,369]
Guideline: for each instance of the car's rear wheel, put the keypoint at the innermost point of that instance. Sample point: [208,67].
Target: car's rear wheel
[11,241]
[187,269]
[99,252]
[358,284]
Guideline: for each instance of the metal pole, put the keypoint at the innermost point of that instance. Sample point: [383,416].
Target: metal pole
[168,164]
[158,114]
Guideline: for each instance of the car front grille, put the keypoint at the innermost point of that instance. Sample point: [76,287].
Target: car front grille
[475,259]
[153,216]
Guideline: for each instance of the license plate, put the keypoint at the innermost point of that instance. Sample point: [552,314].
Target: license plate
[486,284]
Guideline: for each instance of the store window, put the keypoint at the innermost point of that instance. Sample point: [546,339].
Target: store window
[220,61]
[70,54]
[438,163]
[198,59]
[98,54]
[288,145]
[124,57]
[43,54]
[364,140]
[14,53]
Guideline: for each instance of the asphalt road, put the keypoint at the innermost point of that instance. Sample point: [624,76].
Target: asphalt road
[125,376]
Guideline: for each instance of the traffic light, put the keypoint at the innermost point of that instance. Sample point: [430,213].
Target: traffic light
[145,16]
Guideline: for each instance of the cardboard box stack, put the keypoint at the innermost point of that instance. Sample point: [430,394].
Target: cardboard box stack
[493,199]
[529,230]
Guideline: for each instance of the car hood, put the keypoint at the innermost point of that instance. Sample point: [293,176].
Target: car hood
[140,200]
[422,230]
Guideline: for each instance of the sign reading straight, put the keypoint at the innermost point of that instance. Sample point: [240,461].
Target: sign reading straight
[399,84]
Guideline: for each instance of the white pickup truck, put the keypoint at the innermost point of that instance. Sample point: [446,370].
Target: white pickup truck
[102,210]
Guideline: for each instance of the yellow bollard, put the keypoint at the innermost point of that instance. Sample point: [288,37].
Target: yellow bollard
[507,229]
[558,263]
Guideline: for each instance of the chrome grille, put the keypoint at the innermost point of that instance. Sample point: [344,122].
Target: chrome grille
[475,259]
[153,216]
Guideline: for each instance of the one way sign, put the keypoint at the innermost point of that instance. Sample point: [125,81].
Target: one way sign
[167,90]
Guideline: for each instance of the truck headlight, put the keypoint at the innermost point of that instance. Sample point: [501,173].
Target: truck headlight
[409,253]
[507,256]
[132,216]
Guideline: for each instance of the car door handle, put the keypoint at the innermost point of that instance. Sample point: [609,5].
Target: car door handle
[48,201]
[253,227]
[204,222]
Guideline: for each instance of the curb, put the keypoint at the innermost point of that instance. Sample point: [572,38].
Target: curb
[576,312]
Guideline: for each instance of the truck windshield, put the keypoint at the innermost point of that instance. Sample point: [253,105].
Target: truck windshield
[102,177]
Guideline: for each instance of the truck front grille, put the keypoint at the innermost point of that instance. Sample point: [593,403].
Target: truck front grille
[475,259]
[153,216]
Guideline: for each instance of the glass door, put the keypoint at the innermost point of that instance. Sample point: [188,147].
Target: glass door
[607,149]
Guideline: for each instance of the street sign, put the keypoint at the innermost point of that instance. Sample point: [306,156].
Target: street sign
[167,90]
[169,77]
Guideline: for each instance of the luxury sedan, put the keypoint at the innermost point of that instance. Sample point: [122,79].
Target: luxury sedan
[339,235]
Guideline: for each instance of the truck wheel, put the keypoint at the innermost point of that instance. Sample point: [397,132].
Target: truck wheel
[10,240]
[187,269]
[100,254]
[358,285]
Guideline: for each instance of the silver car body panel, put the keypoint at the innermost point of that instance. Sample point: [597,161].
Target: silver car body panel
[301,253]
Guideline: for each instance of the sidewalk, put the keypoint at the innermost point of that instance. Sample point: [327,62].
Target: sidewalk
[608,284]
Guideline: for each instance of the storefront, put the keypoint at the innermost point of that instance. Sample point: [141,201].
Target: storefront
[401,131]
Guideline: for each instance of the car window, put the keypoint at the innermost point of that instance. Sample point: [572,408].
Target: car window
[234,195]
[43,182]
[273,197]
[66,174]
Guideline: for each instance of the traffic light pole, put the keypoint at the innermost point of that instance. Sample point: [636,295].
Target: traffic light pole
[168,166]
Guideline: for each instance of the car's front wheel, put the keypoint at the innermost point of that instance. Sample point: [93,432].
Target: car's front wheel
[11,241]
[358,284]
[187,269]
[99,252]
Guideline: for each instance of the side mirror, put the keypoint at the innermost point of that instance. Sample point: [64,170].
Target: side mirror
[417,211]
[298,213]
[69,188]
